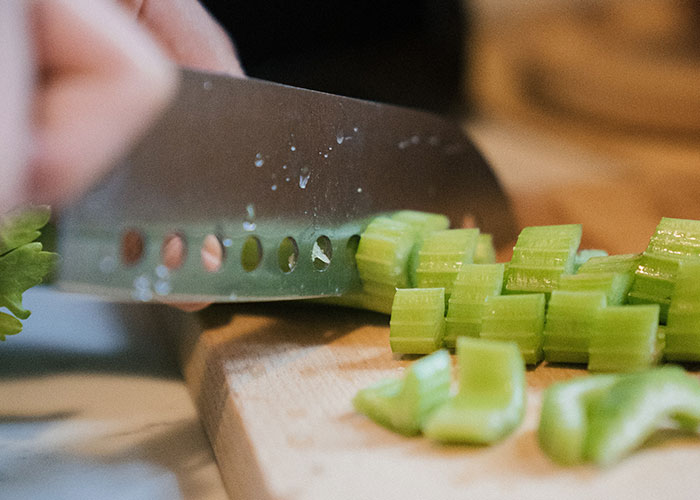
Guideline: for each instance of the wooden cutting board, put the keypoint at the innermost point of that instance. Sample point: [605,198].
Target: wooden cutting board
[273,384]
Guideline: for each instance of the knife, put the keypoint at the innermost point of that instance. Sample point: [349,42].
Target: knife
[286,179]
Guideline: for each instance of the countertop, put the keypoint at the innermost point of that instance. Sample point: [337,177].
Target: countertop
[92,405]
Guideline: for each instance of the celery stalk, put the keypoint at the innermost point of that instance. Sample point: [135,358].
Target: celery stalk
[474,283]
[673,242]
[624,338]
[485,252]
[403,405]
[540,256]
[636,406]
[490,403]
[683,327]
[442,255]
[422,224]
[518,318]
[566,409]
[417,324]
[571,320]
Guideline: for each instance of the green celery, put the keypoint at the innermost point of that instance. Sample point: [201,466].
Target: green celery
[565,415]
[518,318]
[417,324]
[485,252]
[635,406]
[540,256]
[673,242]
[683,326]
[382,256]
[422,224]
[570,322]
[442,255]
[490,403]
[625,338]
[621,263]
[403,405]
[614,285]
[583,256]
[23,263]
[473,284]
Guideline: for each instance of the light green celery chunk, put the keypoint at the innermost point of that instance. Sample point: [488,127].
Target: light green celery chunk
[402,405]
[566,410]
[485,252]
[442,255]
[625,339]
[473,284]
[540,256]
[622,263]
[417,324]
[614,285]
[422,223]
[519,318]
[636,406]
[683,325]
[583,256]
[382,256]
[570,322]
[490,403]
[673,242]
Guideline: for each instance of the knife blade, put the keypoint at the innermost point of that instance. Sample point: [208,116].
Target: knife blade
[285,178]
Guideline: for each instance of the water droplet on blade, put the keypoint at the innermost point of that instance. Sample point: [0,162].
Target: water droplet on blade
[162,271]
[259,162]
[163,287]
[249,222]
[274,187]
[304,177]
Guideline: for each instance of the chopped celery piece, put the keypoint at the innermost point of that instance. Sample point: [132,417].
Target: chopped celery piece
[422,223]
[402,405]
[442,255]
[571,320]
[683,325]
[622,263]
[673,242]
[485,252]
[417,322]
[490,403]
[635,406]
[473,284]
[566,410]
[382,256]
[624,339]
[519,318]
[614,285]
[540,256]
[585,255]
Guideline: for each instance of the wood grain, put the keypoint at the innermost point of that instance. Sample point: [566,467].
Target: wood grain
[274,382]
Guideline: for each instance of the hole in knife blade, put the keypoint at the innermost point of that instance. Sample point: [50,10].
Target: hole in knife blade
[173,251]
[351,248]
[288,254]
[322,253]
[212,253]
[132,247]
[251,254]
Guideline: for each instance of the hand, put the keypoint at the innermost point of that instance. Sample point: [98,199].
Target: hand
[92,85]
[187,33]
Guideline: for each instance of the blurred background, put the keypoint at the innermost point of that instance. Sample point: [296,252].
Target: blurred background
[589,111]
